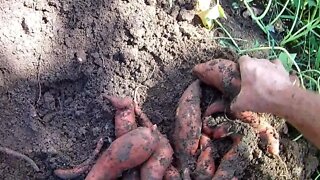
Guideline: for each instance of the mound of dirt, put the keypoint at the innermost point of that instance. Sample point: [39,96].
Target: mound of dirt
[58,56]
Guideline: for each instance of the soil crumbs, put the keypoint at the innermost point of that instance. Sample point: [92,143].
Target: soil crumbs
[58,56]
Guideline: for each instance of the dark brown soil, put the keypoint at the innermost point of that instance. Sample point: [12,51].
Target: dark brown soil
[57,57]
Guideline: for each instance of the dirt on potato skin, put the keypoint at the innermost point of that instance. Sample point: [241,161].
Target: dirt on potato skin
[58,57]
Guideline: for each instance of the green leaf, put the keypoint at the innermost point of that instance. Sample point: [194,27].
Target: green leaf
[312,3]
[286,61]
[318,59]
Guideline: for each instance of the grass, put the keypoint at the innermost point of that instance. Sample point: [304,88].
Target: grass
[299,46]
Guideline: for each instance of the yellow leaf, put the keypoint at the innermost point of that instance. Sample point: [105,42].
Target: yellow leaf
[203,5]
[207,21]
[221,12]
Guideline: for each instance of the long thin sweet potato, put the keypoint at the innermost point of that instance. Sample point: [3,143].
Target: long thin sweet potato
[188,122]
[124,117]
[81,168]
[128,151]
[205,165]
[172,174]
[221,74]
[156,166]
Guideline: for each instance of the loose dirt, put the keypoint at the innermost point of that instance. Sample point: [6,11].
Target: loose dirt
[57,57]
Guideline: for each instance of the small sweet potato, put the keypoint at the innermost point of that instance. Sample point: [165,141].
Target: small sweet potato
[221,74]
[128,151]
[188,122]
[205,165]
[124,117]
[172,174]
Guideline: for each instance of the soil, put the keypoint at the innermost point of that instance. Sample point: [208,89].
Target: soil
[57,57]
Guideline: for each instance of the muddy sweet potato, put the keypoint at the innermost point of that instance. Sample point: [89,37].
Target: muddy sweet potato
[81,168]
[188,122]
[156,166]
[266,132]
[264,129]
[124,117]
[126,152]
[205,165]
[228,164]
[172,174]
[221,74]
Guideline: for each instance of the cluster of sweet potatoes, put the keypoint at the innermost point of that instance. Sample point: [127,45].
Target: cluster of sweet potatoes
[140,151]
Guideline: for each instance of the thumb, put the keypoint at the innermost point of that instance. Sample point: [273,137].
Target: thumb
[240,102]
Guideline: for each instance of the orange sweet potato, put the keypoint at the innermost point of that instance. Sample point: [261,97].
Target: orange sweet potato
[81,168]
[221,74]
[228,164]
[216,107]
[205,165]
[125,117]
[128,151]
[264,129]
[156,166]
[172,174]
[188,122]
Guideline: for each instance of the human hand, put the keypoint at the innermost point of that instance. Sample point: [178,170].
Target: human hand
[262,82]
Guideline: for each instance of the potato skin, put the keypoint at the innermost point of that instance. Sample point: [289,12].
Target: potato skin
[172,174]
[224,171]
[205,165]
[221,74]
[188,122]
[125,117]
[155,167]
[126,152]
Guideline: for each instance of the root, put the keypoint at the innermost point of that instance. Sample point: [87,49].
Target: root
[81,168]
[19,155]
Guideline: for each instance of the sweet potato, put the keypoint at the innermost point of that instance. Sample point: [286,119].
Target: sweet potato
[81,168]
[188,122]
[172,174]
[143,118]
[128,151]
[220,131]
[205,165]
[216,107]
[226,169]
[132,174]
[124,117]
[156,166]
[264,129]
[221,74]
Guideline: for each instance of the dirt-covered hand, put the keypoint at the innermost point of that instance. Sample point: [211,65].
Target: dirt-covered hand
[261,82]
